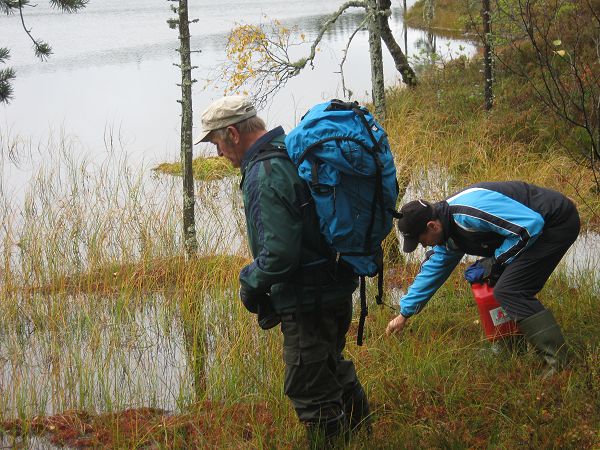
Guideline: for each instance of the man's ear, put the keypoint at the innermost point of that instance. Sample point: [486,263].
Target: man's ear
[234,133]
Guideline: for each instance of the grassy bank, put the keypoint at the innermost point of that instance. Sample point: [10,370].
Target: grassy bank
[441,128]
[450,18]
[159,352]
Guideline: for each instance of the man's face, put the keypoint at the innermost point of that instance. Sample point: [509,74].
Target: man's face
[433,234]
[227,148]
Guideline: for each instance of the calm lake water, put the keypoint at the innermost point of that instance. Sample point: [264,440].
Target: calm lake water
[112,71]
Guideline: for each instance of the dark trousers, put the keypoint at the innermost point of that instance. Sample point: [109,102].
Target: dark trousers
[526,275]
[318,380]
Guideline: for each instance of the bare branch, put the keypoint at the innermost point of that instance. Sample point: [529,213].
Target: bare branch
[563,78]
[330,21]
[259,58]
[344,89]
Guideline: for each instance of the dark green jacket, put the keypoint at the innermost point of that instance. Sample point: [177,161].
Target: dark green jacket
[290,257]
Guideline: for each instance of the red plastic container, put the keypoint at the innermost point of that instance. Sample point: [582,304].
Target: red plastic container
[496,323]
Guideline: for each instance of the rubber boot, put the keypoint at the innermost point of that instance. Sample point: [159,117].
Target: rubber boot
[326,433]
[356,408]
[544,334]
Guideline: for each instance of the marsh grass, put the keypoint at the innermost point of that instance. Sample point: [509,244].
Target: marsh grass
[440,385]
[203,168]
[108,336]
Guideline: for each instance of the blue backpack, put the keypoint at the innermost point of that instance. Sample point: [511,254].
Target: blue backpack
[343,154]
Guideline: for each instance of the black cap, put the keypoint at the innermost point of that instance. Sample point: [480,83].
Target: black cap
[413,218]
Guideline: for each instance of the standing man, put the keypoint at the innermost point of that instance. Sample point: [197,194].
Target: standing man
[521,230]
[292,273]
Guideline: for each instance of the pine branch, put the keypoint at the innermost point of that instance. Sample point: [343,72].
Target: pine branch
[69,6]
[6,89]
[6,76]
[41,48]
[10,6]
[4,54]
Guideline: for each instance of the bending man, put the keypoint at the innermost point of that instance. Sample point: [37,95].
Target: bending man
[522,230]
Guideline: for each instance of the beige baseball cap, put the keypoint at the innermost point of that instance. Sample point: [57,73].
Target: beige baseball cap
[224,112]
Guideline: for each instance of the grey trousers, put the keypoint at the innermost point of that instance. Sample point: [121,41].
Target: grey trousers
[318,380]
[520,282]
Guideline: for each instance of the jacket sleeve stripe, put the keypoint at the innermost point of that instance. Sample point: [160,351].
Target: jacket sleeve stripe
[496,224]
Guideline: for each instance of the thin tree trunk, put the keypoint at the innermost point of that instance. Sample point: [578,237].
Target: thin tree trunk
[189,225]
[400,60]
[487,55]
[376,54]
[405,29]
[193,326]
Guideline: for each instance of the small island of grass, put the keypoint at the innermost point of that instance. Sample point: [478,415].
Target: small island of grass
[204,168]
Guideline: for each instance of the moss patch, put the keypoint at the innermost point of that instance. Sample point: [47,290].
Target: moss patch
[208,425]
[204,169]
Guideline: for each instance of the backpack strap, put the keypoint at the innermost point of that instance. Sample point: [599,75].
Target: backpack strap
[377,200]
[378,194]
[364,312]
[266,153]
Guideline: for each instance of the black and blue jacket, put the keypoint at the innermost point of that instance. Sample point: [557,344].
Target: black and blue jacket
[499,219]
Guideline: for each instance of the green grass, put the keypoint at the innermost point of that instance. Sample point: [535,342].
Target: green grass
[440,386]
[203,168]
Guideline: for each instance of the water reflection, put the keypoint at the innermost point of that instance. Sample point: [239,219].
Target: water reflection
[427,45]
[105,353]
[164,350]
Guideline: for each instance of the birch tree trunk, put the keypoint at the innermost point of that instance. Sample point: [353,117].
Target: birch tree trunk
[189,224]
[376,55]
[193,324]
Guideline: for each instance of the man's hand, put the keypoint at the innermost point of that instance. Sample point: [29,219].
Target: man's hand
[396,325]
[488,266]
[484,270]
[249,301]
[492,270]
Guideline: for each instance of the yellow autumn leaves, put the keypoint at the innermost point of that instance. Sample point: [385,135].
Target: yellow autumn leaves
[257,54]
